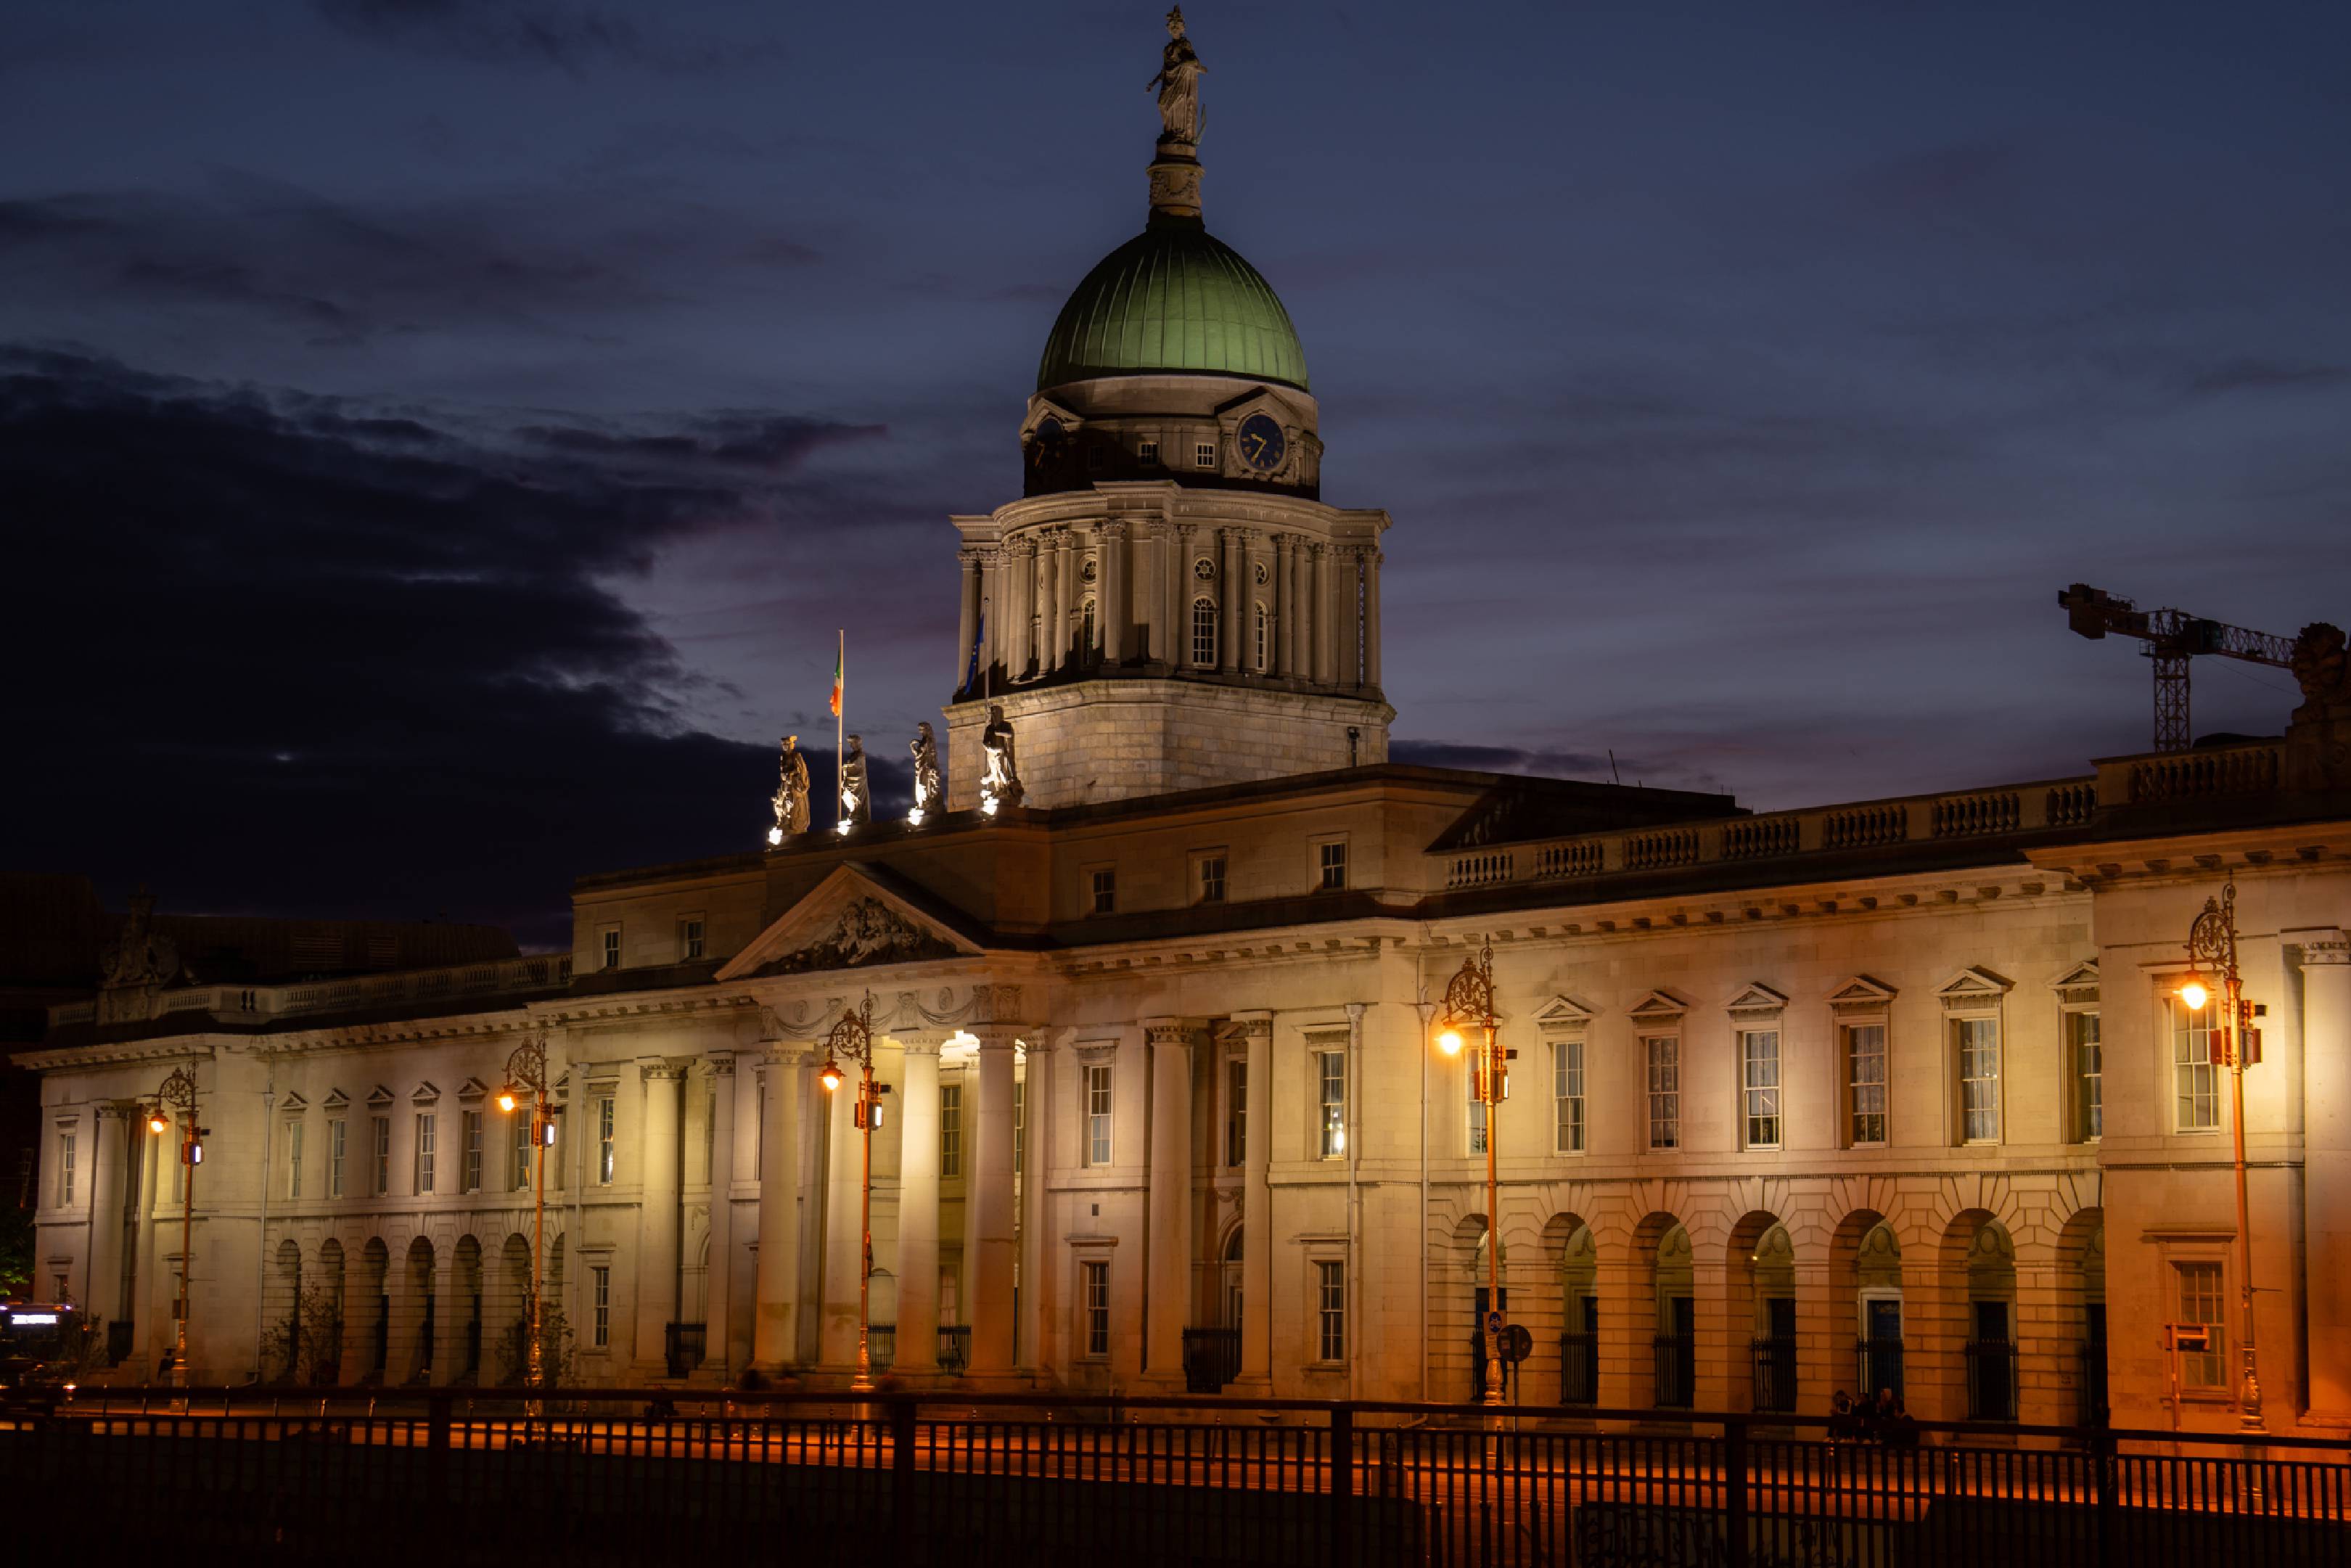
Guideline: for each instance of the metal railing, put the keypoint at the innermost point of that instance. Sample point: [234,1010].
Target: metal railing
[633,1475]
[1775,1373]
[1579,1369]
[1878,1365]
[955,1346]
[1212,1358]
[1675,1370]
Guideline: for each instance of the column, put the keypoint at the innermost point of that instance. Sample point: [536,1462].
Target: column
[1065,563]
[967,613]
[1175,575]
[775,1319]
[1150,591]
[844,1239]
[918,1210]
[1168,1263]
[1372,559]
[1115,614]
[1037,1117]
[991,614]
[2327,1175]
[657,1212]
[102,1291]
[152,1309]
[718,1279]
[988,1199]
[1285,608]
[1257,1207]
[1351,617]
[1325,661]
[1049,597]
[1229,652]
[1184,588]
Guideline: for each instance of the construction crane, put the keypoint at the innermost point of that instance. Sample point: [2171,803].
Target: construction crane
[2173,638]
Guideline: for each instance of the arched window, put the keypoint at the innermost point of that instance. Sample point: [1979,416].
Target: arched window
[1203,631]
[1264,638]
[1086,629]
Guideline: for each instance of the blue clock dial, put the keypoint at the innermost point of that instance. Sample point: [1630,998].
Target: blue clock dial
[1261,443]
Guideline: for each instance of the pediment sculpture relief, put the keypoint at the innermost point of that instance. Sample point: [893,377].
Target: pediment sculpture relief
[868,932]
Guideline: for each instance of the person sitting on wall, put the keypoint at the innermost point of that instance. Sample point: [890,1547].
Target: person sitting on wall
[1900,1429]
[1845,1425]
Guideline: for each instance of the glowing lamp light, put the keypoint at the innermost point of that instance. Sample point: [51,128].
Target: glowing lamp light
[988,806]
[775,837]
[2194,993]
[156,1124]
[546,1132]
[506,1101]
[842,826]
[914,818]
[830,1076]
[1449,1042]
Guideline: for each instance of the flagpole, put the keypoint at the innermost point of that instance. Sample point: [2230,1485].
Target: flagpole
[840,701]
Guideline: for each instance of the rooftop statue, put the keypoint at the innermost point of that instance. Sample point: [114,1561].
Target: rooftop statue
[856,798]
[791,802]
[1000,779]
[925,749]
[1178,82]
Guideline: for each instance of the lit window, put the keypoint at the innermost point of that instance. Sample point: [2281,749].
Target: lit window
[65,1169]
[2196,1076]
[1864,1058]
[600,1331]
[1331,861]
[473,1129]
[1236,1110]
[611,947]
[522,1147]
[2084,1060]
[951,1129]
[1567,1096]
[294,1159]
[2199,1303]
[1203,631]
[1330,1111]
[1105,889]
[1212,879]
[337,1136]
[1204,455]
[1331,1302]
[1147,451]
[1096,1288]
[1663,1054]
[604,1140]
[426,1125]
[381,1129]
[1759,1053]
[1097,1113]
[1978,1042]
[691,939]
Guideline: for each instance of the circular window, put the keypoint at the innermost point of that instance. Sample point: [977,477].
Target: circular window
[1264,574]
[1087,570]
[1203,569]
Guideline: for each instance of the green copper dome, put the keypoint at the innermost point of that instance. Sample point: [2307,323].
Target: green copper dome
[1174,298]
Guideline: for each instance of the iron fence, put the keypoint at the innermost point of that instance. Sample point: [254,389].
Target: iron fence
[1991,1380]
[484,1476]
[1212,1358]
[1579,1369]
[1878,1365]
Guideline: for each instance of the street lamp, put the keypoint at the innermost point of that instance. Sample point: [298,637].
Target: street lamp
[1469,1004]
[178,1093]
[527,1084]
[852,1037]
[2212,945]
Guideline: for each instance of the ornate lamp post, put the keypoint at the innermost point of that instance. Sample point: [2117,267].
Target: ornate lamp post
[852,1037]
[527,1085]
[177,1096]
[1469,1004]
[2212,948]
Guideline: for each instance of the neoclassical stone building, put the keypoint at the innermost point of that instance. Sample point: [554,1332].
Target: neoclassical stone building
[1893,1092]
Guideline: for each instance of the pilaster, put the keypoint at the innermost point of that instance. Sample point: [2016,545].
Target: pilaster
[2325,958]
[1168,1225]
[918,1209]
[776,1312]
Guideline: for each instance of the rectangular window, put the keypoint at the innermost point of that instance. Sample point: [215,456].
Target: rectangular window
[426,1123]
[337,1136]
[1567,1096]
[380,1184]
[1204,455]
[294,1159]
[1019,1123]
[1330,1111]
[1663,1054]
[65,1169]
[472,1152]
[1978,1042]
[2199,1303]
[2086,1065]
[611,958]
[1096,1296]
[1212,879]
[951,1129]
[2196,1077]
[690,937]
[1204,633]
[1097,1113]
[1864,1084]
[1331,862]
[1104,884]
[603,1140]
[600,1330]
[1147,451]
[1477,1104]
[1237,1111]
[1331,1292]
[1758,1056]
[522,1148]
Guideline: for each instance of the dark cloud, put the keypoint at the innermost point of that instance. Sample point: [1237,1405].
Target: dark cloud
[566,37]
[2266,375]
[372,660]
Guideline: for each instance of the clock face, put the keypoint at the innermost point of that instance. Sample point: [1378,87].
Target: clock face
[1261,443]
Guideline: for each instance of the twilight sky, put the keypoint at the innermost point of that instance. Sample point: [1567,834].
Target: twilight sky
[438,438]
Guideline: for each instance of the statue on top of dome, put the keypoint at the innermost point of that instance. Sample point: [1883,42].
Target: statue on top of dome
[1178,82]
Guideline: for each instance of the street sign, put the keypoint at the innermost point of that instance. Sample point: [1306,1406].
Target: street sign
[1493,1322]
[1518,1344]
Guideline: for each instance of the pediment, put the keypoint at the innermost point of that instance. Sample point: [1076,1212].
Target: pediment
[854,919]
[2080,983]
[1759,997]
[336,1099]
[1041,409]
[426,1095]
[1564,1012]
[1973,988]
[293,1101]
[472,1089]
[1267,401]
[1659,1007]
[1862,994]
